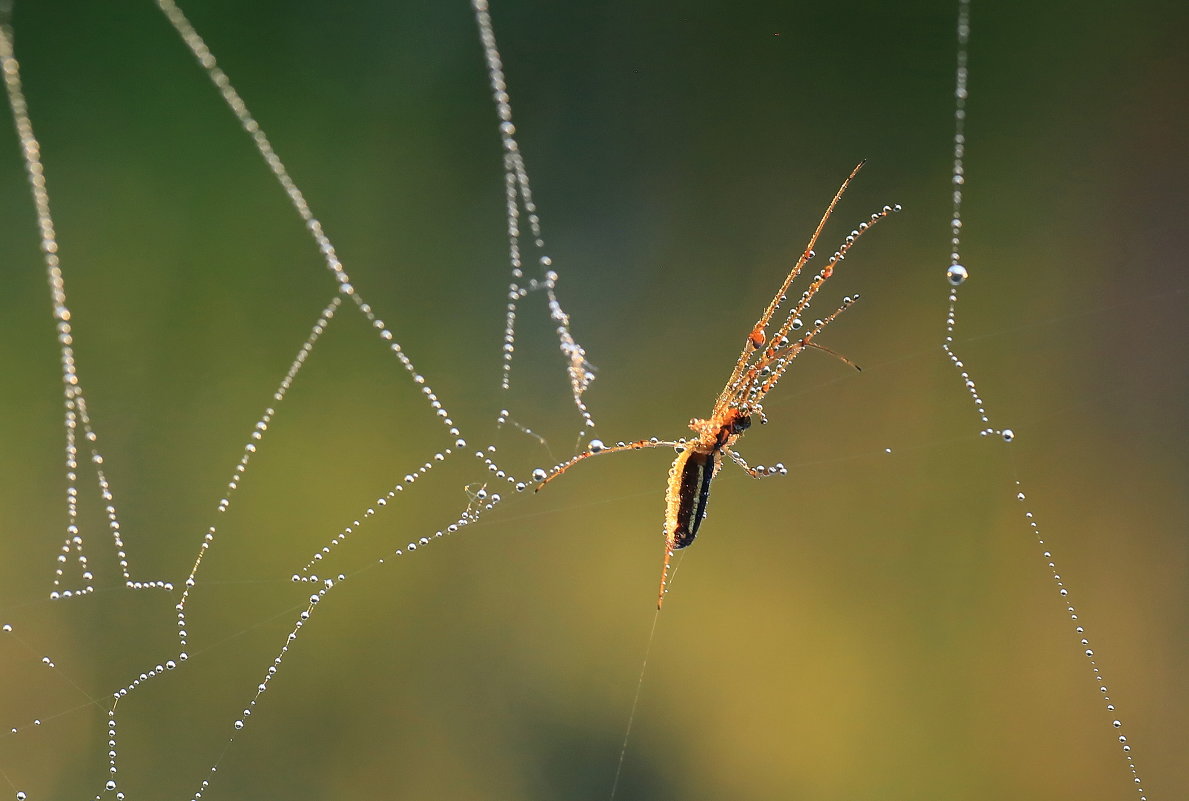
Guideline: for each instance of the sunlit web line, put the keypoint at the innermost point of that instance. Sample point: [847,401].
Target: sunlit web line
[957,274]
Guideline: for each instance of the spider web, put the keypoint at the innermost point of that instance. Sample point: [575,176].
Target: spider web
[881,609]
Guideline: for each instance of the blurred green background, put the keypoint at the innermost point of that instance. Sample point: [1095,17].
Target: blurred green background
[875,626]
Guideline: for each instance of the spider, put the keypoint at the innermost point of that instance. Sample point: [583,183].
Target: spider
[761,363]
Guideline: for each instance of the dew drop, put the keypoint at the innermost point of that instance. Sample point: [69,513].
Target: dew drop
[956,274]
[596,445]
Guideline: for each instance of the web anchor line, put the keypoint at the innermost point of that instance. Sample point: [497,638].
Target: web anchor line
[956,275]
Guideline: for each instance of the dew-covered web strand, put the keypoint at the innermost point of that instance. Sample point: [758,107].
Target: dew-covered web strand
[75,401]
[518,196]
[956,275]
[76,409]
[77,417]
[518,199]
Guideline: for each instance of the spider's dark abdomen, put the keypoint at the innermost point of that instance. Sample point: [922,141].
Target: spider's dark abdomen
[692,478]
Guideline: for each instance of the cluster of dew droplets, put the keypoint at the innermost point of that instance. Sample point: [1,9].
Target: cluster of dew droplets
[956,274]
[1084,641]
[518,195]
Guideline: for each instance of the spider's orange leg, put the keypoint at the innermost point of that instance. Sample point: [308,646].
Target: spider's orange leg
[828,270]
[807,341]
[758,335]
[660,596]
[792,276]
[600,449]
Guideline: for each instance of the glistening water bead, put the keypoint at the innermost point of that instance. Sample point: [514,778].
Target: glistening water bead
[956,274]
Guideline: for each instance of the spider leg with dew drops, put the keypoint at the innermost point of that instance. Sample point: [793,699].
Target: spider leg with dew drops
[755,374]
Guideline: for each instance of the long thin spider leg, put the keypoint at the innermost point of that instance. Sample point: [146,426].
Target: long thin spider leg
[776,360]
[777,469]
[627,446]
[756,338]
[774,304]
[828,269]
[742,385]
[781,364]
[840,357]
[745,391]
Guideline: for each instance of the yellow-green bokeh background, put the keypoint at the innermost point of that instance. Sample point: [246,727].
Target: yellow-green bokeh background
[874,627]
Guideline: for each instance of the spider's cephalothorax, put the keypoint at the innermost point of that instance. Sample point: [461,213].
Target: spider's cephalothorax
[691,473]
[759,367]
